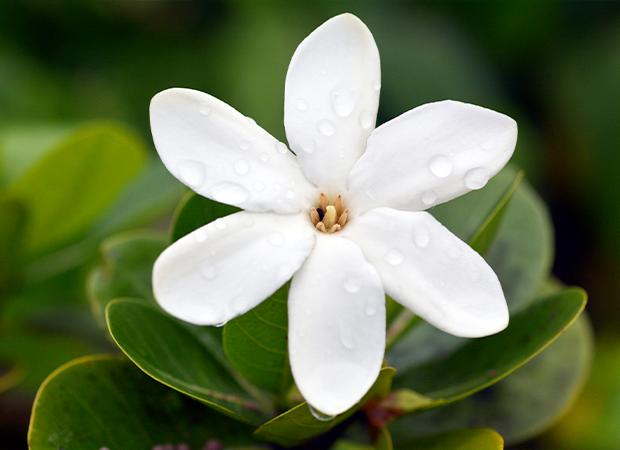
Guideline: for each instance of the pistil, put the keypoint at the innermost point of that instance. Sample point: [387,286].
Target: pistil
[329,218]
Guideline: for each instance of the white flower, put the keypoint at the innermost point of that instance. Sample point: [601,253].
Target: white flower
[342,263]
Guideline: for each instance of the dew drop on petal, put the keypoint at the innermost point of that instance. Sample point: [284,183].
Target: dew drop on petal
[200,235]
[285,271]
[293,351]
[318,415]
[344,100]
[250,121]
[367,120]
[229,193]
[277,186]
[240,304]
[289,193]
[346,335]
[476,178]
[220,324]
[192,172]
[264,156]
[204,109]
[307,145]
[376,85]
[352,284]
[276,238]
[220,223]
[440,166]
[371,309]
[394,257]
[301,332]
[244,145]
[453,250]
[281,148]
[258,185]
[422,236]
[326,127]
[208,271]
[428,197]
[300,104]
[241,166]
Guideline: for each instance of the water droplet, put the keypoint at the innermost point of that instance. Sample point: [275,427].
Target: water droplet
[220,223]
[300,104]
[353,284]
[301,332]
[250,121]
[244,145]
[372,270]
[323,71]
[282,148]
[326,127]
[285,271]
[341,153]
[476,178]
[489,144]
[204,109]
[367,120]
[209,271]
[289,193]
[376,85]
[394,257]
[371,309]
[422,236]
[220,324]
[277,186]
[344,100]
[369,189]
[259,185]
[293,351]
[309,311]
[440,166]
[200,235]
[192,172]
[242,166]
[307,145]
[240,304]
[264,156]
[346,335]
[229,193]
[428,197]
[276,238]
[318,415]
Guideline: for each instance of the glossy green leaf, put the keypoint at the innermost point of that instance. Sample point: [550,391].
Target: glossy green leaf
[383,440]
[12,220]
[485,234]
[482,362]
[72,185]
[256,343]
[521,405]
[195,211]
[127,270]
[298,424]
[101,402]
[461,439]
[170,353]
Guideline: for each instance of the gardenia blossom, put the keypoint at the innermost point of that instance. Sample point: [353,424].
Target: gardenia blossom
[343,215]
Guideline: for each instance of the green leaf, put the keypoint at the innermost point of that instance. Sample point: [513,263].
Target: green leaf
[170,353]
[256,343]
[12,220]
[298,424]
[127,270]
[101,402]
[482,362]
[524,403]
[195,211]
[384,440]
[72,185]
[461,439]
[483,238]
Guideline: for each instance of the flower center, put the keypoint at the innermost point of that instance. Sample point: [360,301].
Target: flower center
[327,217]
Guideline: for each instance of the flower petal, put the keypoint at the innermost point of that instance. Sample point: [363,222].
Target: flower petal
[225,156]
[430,271]
[336,325]
[227,267]
[430,155]
[331,99]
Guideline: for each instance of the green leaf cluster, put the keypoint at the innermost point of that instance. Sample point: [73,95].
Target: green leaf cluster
[239,375]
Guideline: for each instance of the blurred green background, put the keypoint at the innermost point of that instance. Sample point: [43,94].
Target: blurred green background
[554,66]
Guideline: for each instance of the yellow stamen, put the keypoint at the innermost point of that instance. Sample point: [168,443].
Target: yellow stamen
[343,217]
[335,228]
[321,227]
[314,216]
[323,202]
[339,205]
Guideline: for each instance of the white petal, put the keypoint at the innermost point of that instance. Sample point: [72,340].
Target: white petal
[225,156]
[331,99]
[430,155]
[336,325]
[229,266]
[430,271]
